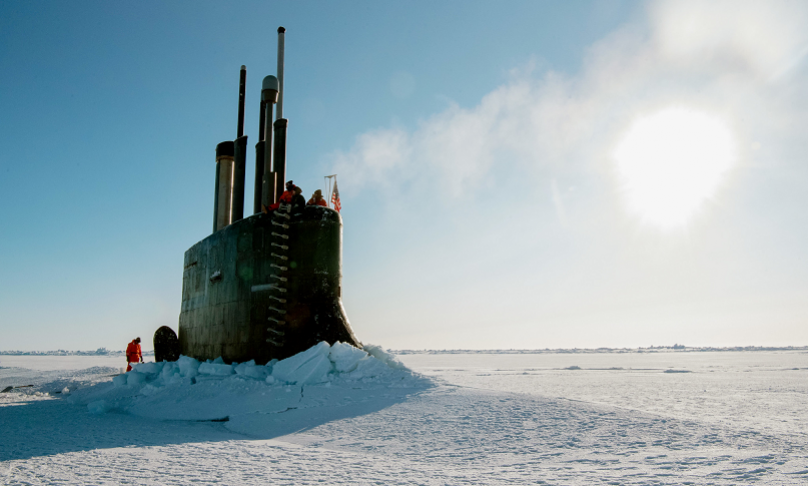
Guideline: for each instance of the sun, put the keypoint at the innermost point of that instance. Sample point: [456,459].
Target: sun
[670,163]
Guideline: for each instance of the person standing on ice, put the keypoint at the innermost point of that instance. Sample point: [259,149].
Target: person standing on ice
[133,354]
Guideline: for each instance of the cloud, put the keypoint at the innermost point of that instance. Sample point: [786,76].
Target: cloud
[558,203]
[377,156]
[762,39]
[524,122]
[717,56]
[477,193]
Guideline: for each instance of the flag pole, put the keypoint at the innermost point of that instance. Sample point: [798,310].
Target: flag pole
[335,195]
[330,184]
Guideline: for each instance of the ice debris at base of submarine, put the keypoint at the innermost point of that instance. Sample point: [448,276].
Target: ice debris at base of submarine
[190,390]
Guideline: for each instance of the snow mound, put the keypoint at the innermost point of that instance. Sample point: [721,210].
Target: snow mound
[345,357]
[240,393]
[379,353]
[309,367]
[215,369]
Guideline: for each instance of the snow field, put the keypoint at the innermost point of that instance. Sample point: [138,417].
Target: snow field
[443,435]
[762,391]
[479,420]
[239,392]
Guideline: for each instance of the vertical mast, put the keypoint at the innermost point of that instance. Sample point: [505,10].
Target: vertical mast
[239,154]
[280,125]
[269,94]
[281,34]
[242,86]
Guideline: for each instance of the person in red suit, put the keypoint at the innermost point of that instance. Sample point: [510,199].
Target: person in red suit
[286,198]
[133,354]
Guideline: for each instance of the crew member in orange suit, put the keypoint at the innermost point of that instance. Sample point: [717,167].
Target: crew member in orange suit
[286,198]
[317,199]
[133,354]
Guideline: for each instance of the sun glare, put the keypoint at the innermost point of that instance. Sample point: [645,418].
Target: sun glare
[670,163]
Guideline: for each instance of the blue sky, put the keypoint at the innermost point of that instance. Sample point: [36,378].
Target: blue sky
[474,143]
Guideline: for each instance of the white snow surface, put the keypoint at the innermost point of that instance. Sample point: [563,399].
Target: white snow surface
[340,415]
[241,394]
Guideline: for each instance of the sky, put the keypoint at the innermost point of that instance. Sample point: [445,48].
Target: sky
[513,175]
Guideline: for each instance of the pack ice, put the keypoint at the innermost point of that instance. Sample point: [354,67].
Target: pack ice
[320,380]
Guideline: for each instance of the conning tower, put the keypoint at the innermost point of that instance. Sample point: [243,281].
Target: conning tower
[270,285]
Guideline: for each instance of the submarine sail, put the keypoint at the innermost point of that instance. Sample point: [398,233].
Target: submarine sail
[270,285]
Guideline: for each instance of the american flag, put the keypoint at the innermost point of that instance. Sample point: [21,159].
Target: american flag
[335,197]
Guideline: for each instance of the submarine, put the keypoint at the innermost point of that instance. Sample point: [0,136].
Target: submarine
[269,285]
